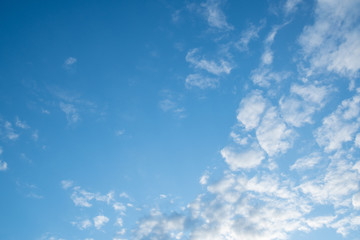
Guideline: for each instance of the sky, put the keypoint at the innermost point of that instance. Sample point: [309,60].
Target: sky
[188,120]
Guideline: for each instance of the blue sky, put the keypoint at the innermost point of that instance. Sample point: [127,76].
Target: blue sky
[189,120]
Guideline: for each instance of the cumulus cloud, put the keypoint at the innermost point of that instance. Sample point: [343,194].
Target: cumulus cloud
[199,62]
[340,126]
[332,42]
[335,186]
[100,221]
[304,101]
[159,226]
[243,159]
[251,109]
[273,134]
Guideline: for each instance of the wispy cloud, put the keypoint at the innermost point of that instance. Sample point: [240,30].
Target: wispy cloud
[199,62]
[251,33]
[290,6]
[215,16]
[200,81]
[71,112]
[171,103]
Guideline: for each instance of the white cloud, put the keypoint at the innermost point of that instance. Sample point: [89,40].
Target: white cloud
[251,109]
[339,127]
[119,132]
[119,207]
[332,43]
[10,134]
[273,134]
[81,197]
[238,139]
[100,221]
[67,184]
[84,224]
[335,186]
[3,165]
[244,159]
[307,162]
[357,140]
[21,124]
[71,112]
[119,222]
[200,81]
[215,16]
[356,200]
[304,101]
[291,6]
[311,93]
[171,103]
[251,33]
[264,76]
[70,61]
[319,222]
[267,57]
[211,66]
[35,135]
[204,178]
[158,226]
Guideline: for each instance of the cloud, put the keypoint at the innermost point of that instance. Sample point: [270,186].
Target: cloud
[332,43]
[273,134]
[216,68]
[307,162]
[335,186]
[71,112]
[119,132]
[170,103]
[9,131]
[340,126]
[304,101]
[84,224]
[200,81]
[100,221]
[245,159]
[3,165]
[35,135]
[83,198]
[251,33]
[159,226]
[66,184]
[264,76]
[291,6]
[21,124]
[70,61]
[251,109]
[215,16]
